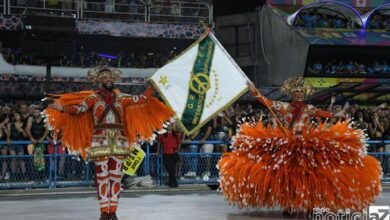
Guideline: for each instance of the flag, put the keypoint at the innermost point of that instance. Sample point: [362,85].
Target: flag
[200,82]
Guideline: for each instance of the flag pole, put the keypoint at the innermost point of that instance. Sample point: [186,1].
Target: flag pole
[210,34]
[272,112]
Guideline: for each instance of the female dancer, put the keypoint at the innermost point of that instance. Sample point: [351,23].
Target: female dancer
[297,165]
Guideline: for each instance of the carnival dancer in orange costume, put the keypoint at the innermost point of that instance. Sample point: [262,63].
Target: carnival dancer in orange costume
[102,125]
[297,165]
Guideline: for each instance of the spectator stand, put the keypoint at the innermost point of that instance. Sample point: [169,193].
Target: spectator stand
[360,67]
[379,18]
[327,14]
[62,8]
[132,10]
[362,92]
[357,92]
[28,81]
[181,11]
[87,58]
[80,173]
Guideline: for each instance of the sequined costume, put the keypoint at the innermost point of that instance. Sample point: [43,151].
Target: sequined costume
[102,125]
[299,166]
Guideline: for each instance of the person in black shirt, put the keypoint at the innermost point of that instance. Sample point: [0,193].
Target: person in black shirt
[16,133]
[23,110]
[37,132]
[35,128]
[223,132]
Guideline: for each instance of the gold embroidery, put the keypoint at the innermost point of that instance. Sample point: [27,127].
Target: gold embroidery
[105,150]
[111,149]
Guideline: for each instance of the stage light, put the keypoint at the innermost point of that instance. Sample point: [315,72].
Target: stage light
[108,56]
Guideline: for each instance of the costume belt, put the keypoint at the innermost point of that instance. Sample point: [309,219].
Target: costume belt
[109,126]
[113,147]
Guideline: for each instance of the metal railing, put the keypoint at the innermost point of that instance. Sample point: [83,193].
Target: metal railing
[3,8]
[63,8]
[114,10]
[64,170]
[179,11]
[59,170]
[133,10]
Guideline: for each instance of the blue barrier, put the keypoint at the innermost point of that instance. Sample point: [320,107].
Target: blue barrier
[64,170]
[31,178]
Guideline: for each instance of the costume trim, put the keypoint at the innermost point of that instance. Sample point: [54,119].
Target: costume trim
[106,150]
[109,126]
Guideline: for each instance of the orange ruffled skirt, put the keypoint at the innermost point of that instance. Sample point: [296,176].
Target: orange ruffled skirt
[322,168]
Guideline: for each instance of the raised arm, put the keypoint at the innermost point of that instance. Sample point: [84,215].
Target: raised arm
[84,106]
[136,99]
[278,106]
[321,113]
[316,112]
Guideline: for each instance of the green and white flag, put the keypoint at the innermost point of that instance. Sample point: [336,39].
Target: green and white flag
[200,82]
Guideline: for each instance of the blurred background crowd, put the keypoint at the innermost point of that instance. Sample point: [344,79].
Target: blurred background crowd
[89,58]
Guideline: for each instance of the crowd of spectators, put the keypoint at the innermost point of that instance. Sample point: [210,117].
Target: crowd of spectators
[316,19]
[379,21]
[349,67]
[85,58]
[20,122]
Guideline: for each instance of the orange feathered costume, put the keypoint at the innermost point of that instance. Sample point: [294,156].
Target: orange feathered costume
[103,125]
[140,120]
[319,167]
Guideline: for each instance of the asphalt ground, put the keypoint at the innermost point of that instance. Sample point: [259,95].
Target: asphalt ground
[188,202]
